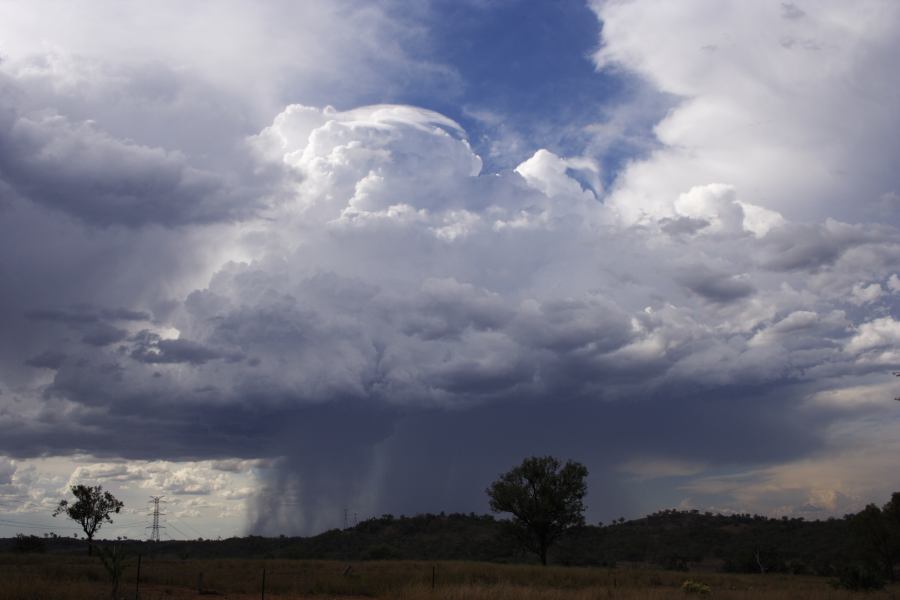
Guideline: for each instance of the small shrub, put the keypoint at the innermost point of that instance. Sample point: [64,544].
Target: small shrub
[858,578]
[695,587]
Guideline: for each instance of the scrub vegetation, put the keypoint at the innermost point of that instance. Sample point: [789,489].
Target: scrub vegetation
[78,577]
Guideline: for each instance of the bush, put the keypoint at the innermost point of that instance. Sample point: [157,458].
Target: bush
[858,578]
[29,544]
[695,587]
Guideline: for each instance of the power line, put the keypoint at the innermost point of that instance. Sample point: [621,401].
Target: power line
[127,524]
[34,525]
[183,534]
[189,526]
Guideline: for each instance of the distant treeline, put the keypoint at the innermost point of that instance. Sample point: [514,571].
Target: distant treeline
[670,539]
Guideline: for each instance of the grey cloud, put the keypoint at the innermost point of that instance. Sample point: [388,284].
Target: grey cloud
[566,326]
[93,323]
[7,470]
[50,359]
[717,287]
[124,314]
[150,348]
[811,247]
[103,334]
[73,165]
[62,315]
[480,378]
[86,314]
[791,11]
[88,174]
[447,308]
[683,225]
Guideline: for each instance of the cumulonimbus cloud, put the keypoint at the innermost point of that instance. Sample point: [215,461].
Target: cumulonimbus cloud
[382,299]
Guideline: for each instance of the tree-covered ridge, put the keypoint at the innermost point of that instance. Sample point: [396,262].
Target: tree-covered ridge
[868,541]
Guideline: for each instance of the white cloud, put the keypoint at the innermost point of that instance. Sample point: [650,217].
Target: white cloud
[286,49]
[765,105]
[893,283]
[864,294]
[883,333]
[549,173]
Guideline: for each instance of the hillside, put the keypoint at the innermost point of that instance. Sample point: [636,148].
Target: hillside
[668,539]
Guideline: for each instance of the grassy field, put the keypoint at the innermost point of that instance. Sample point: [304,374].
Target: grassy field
[61,577]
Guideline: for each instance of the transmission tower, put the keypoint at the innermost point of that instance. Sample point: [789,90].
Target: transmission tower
[155,527]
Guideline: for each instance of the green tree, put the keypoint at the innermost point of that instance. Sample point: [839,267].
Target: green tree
[91,508]
[875,536]
[891,515]
[545,498]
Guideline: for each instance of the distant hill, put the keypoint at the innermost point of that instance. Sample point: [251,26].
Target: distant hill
[668,539]
[681,540]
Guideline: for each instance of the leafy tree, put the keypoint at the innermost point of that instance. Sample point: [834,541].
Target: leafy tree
[891,515]
[545,498]
[91,508]
[876,536]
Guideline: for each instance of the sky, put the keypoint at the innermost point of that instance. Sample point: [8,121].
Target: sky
[296,264]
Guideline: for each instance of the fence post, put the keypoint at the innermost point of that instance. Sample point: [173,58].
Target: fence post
[433,574]
[137,580]
[263,595]
[200,582]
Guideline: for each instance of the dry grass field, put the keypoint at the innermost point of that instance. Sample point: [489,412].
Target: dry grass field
[63,577]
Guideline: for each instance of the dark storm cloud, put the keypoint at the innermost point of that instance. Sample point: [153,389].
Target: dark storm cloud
[458,453]
[443,459]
